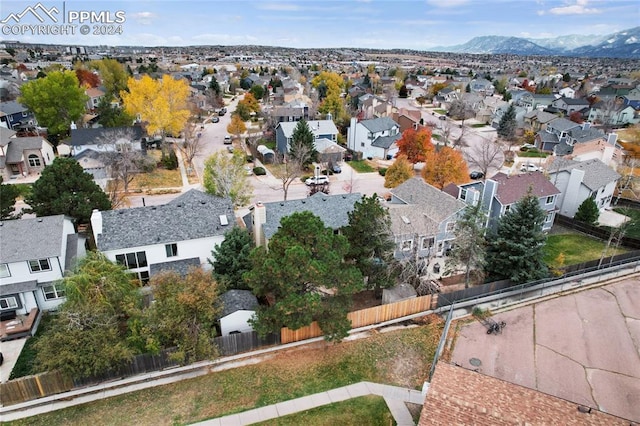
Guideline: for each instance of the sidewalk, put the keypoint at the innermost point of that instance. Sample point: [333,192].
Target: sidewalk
[395,397]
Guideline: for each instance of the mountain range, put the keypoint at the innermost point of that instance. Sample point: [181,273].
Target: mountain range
[623,44]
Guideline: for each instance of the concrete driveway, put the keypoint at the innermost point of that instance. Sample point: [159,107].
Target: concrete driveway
[11,351]
[583,347]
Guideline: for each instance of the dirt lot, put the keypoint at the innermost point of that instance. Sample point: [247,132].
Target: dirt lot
[583,347]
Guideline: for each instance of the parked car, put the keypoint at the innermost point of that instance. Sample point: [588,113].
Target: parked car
[336,168]
[227,140]
[248,170]
[222,112]
[527,147]
[317,180]
[215,119]
[529,168]
[476,175]
[442,117]
[230,149]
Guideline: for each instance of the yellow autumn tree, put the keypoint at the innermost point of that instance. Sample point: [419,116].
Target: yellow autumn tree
[162,104]
[237,126]
[400,171]
[445,166]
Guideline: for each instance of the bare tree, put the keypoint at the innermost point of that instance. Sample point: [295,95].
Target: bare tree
[286,170]
[122,159]
[485,155]
[192,144]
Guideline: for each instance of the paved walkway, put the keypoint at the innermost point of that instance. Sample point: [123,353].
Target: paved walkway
[395,397]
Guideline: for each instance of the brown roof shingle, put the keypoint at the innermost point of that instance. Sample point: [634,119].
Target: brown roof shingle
[458,396]
[513,188]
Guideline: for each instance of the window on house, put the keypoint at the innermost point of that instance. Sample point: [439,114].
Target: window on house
[39,265]
[550,199]
[406,245]
[4,270]
[451,226]
[507,208]
[132,260]
[171,249]
[361,143]
[8,302]
[54,291]
[427,243]
[463,194]
[34,161]
[549,217]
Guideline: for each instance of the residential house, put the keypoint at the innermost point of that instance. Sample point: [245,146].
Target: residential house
[555,131]
[579,180]
[374,138]
[23,156]
[561,137]
[34,255]
[371,106]
[567,92]
[497,117]
[15,116]
[570,105]
[238,306]
[321,129]
[290,113]
[502,191]
[96,165]
[603,149]
[264,219]
[531,101]
[537,120]
[423,219]
[104,139]
[614,114]
[179,234]
[487,108]
[407,119]
[481,86]
[632,99]
[95,96]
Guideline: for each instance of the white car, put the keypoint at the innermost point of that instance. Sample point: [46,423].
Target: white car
[317,180]
[529,168]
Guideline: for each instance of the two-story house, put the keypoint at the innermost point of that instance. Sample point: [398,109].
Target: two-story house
[570,105]
[264,219]
[423,219]
[555,131]
[537,120]
[502,191]
[14,115]
[23,156]
[374,138]
[34,256]
[579,180]
[321,129]
[104,139]
[174,236]
[613,114]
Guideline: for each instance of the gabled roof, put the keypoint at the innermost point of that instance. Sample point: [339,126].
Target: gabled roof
[585,135]
[181,267]
[433,203]
[91,136]
[460,396]
[237,300]
[385,141]
[381,124]
[191,216]
[30,239]
[17,146]
[331,209]
[318,127]
[6,135]
[512,188]
[596,174]
[12,107]
[573,101]
[562,124]
[541,116]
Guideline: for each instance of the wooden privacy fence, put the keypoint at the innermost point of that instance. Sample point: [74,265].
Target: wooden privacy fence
[33,387]
[363,317]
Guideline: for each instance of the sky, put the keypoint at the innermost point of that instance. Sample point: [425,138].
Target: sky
[414,24]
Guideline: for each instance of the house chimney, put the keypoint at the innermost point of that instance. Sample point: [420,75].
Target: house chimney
[586,125]
[612,138]
[259,219]
[96,223]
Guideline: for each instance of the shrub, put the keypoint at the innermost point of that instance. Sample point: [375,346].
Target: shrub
[169,162]
[382,171]
[249,158]
[259,171]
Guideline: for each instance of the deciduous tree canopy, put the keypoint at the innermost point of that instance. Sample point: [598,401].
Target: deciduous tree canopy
[225,176]
[400,171]
[445,166]
[415,145]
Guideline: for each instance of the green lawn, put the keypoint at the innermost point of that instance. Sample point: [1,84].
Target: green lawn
[25,363]
[633,227]
[478,125]
[534,154]
[577,248]
[366,410]
[361,166]
[400,358]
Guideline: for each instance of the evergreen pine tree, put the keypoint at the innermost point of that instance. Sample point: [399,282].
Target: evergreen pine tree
[588,212]
[302,147]
[507,126]
[515,251]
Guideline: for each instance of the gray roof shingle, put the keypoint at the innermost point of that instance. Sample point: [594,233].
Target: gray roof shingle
[90,136]
[379,124]
[434,204]
[181,266]
[237,300]
[331,209]
[17,146]
[596,174]
[192,215]
[29,239]
[385,141]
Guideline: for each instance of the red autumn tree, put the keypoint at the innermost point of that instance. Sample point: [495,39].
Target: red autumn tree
[576,117]
[415,144]
[445,166]
[87,78]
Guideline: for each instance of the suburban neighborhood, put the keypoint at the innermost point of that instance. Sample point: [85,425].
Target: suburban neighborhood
[258,232]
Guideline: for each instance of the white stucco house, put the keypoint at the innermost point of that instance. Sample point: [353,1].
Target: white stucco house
[34,255]
[579,180]
[174,236]
[103,139]
[375,138]
[238,306]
